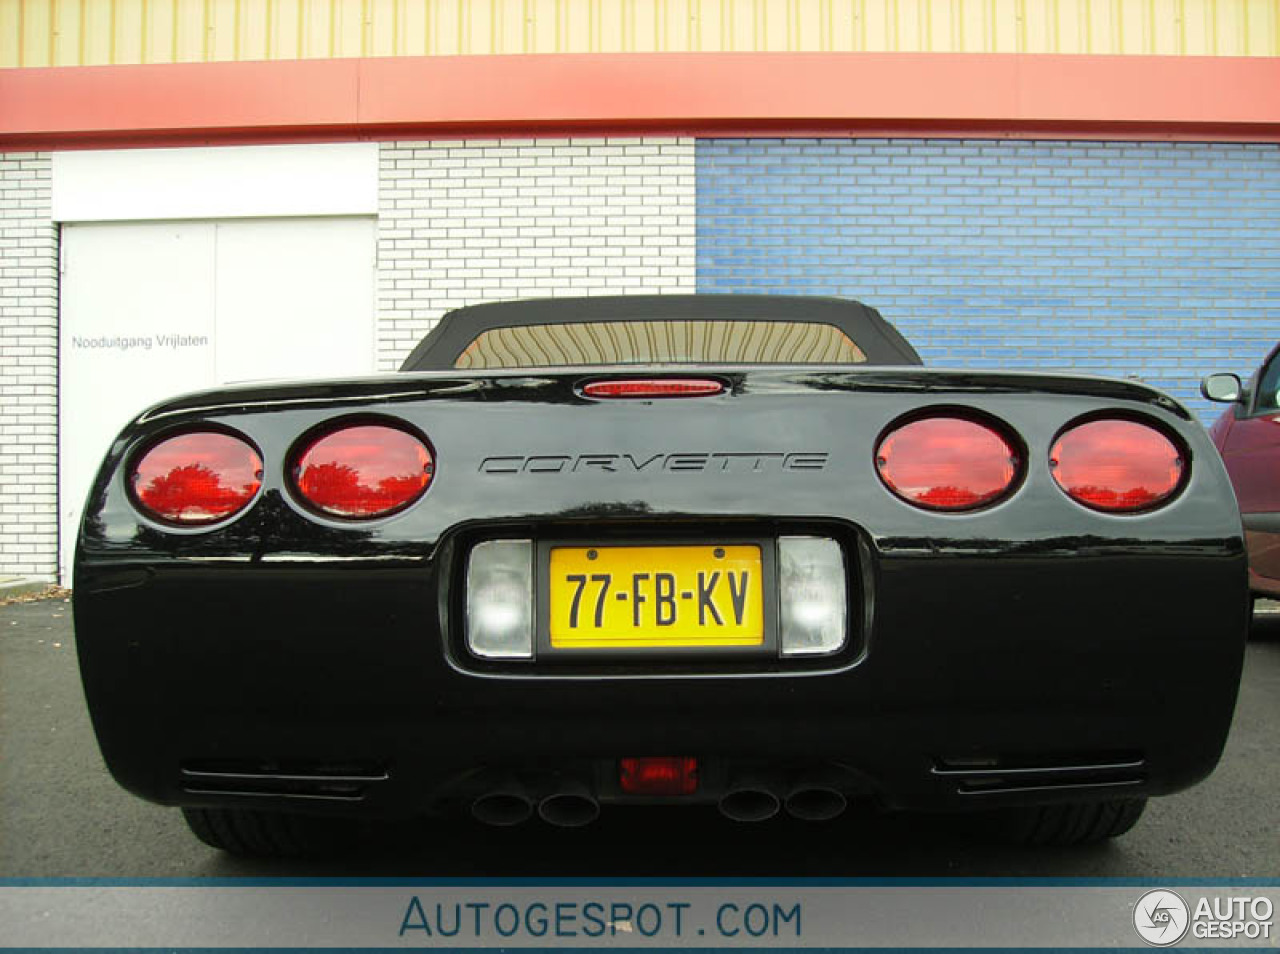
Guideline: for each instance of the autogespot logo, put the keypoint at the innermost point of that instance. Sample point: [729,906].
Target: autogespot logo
[1161,917]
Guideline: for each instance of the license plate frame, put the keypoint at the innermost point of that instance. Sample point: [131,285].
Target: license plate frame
[767,647]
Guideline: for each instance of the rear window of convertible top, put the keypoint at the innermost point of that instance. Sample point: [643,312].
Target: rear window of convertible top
[661,342]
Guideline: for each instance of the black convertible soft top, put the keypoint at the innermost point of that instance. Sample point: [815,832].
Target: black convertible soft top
[878,340]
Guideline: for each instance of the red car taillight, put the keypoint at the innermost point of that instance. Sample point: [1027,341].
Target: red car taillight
[196,478]
[658,776]
[948,463]
[1117,466]
[362,471]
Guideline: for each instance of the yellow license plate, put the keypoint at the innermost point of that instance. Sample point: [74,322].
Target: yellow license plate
[641,597]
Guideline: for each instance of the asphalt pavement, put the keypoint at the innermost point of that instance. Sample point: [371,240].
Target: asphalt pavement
[62,815]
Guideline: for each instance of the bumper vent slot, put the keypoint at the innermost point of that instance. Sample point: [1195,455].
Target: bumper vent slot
[999,775]
[328,781]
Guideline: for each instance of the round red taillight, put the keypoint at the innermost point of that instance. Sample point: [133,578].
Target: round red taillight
[1117,466]
[196,478]
[948,463]
[363,471]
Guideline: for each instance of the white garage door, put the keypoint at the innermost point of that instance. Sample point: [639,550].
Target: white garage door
[150,310]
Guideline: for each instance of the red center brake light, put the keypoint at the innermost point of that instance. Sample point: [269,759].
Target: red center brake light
[197,478]
[653,388]
[363,471]
[948,463]
[658,776]
[1117,466]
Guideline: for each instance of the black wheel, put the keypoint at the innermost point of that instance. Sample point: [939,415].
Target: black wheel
[264,834]
[1070,823]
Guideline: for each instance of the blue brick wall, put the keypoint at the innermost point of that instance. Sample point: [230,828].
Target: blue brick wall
[1154,260]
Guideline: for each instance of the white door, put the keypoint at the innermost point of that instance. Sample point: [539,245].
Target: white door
[151,310]
[295,298]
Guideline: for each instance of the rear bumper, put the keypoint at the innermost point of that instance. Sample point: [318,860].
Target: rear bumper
[983,675]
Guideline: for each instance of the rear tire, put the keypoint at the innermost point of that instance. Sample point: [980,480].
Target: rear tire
[252,833]
[1070,823]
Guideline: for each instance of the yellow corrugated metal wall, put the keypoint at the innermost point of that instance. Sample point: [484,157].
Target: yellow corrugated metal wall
[97,32]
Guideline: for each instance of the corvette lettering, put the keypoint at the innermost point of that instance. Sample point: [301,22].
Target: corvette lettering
[703,462]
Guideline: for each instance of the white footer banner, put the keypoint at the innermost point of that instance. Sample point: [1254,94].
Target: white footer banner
[43,914]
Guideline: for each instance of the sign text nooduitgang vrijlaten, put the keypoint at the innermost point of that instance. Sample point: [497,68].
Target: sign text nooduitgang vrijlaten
[138,342]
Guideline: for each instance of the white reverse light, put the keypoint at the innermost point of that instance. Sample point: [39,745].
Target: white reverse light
[500,599]
[812,594]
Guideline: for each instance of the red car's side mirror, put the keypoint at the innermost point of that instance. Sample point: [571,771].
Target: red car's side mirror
[1224,388]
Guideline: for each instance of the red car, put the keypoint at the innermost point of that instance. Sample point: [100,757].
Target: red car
[1248,436]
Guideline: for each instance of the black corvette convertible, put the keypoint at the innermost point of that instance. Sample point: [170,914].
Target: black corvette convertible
[730,550]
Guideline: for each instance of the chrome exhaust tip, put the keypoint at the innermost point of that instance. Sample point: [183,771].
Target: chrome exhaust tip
[570,806]
[507,805]
[750,800]
[815,803]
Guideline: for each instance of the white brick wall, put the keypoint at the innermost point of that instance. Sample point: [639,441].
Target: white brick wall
[28,369]
[467,222]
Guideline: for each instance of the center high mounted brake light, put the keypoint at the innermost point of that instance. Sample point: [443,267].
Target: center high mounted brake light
[653,388]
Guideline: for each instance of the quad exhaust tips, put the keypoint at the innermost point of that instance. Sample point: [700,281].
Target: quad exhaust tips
[749,798]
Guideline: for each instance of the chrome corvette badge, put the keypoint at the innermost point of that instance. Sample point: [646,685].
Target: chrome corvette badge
[711,462]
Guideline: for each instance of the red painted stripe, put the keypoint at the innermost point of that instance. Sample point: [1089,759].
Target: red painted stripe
[697,94]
